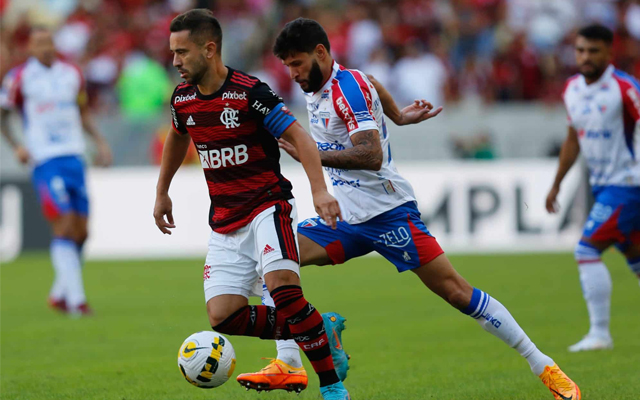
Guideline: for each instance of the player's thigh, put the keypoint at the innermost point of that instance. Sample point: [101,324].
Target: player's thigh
[53,193]
[78,197]
[80,224]
[275,245]
[401,237]
[274,235]
[322,245]
[220,307]
[311,253]
[612,218]
[229,275]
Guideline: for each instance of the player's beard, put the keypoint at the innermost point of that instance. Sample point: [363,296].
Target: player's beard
[592,73]
[316,79]
[197,72]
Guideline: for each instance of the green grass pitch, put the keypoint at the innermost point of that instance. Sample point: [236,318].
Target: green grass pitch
[405,342]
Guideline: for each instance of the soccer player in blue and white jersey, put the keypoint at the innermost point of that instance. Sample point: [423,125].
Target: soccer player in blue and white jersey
[603,106]
[378,204]
[50,96]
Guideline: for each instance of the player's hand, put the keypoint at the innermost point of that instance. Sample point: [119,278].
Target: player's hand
[22,155]
[418,111]
[163,207]
[104,158]
[289,148]
[552,202]
[327,208]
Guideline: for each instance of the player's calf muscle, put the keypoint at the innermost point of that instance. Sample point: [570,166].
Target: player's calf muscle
[442,279]
[279,278]
[221,307]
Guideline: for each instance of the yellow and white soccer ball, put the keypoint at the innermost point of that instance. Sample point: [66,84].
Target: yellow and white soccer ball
[206,359]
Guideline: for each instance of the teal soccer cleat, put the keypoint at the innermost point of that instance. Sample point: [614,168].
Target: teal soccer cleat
[335,391]
[334,324]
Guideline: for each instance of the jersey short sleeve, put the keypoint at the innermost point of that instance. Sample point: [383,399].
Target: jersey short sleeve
[175,122]
[269,110]
[11,93]
[631,98]
[352,101]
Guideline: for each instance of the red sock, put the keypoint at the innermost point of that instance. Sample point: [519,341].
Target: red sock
[258,321]
[307,329]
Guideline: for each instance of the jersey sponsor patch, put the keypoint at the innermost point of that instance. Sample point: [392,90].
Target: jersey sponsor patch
[180,99]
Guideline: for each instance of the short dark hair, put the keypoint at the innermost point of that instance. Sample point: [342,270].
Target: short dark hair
[597,32]
[301,35]
[201,24]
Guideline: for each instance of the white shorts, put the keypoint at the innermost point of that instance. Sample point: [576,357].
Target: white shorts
[236,261]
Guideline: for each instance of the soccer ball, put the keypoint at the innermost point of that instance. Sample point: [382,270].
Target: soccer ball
[206,359]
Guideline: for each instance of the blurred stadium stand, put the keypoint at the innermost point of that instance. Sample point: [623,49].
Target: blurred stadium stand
[498,66]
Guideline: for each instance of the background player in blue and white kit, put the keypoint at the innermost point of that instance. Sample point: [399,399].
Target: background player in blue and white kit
[378,205]
[50,96]
[603,106]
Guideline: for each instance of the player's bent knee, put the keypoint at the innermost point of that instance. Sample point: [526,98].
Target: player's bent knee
[63,226]
[458,297]
[224,307]
[217,318]
[81,237]
[585,252]
[281,273]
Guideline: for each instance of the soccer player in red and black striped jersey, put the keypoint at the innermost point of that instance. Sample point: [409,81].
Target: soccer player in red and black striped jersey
[234,121]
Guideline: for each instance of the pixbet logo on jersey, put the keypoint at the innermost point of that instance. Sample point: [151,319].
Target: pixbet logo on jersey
[234,96]
[180,99]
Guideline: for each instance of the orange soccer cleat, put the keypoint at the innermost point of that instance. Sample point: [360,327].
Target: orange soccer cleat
[276,375]
[559,384]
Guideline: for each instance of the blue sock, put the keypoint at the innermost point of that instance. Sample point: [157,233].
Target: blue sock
[478,304]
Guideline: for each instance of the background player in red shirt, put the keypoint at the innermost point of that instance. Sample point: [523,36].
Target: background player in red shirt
[234,120]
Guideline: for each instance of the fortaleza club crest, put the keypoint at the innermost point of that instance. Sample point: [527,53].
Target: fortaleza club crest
[229,118]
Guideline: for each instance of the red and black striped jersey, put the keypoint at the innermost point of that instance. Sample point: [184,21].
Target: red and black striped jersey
[234,131]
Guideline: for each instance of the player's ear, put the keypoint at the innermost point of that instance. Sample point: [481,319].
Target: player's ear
[211,49]
[320,52]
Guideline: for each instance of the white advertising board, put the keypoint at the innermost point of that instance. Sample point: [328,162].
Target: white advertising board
[471,207]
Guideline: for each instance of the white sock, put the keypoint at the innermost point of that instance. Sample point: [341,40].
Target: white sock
[57,291]
[496,319]
[596,288]
[66,258]
[288,350]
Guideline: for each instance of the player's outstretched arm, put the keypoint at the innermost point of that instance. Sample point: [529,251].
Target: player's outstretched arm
[173,154]
[21,153]
[366,153]
[420,110]
[568,156]
[104,158]
[326,206]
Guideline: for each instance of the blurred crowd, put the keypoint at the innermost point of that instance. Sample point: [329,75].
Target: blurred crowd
[442,50]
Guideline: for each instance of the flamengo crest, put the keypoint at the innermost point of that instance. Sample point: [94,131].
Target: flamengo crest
[229,118]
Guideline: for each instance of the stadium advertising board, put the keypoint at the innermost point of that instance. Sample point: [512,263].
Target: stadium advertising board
[471,207]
